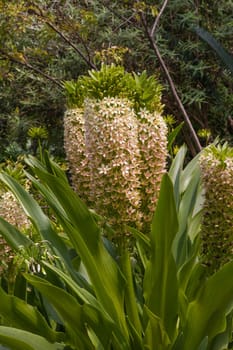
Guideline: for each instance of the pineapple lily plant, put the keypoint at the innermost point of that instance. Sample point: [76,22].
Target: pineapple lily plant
[216,164]
[116,264]
[116,144]
[83,299]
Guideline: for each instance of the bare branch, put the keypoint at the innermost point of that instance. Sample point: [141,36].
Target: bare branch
[175,94]
[158,18]
[39,13]
[126,21]
[86,48]
[26,64]
[68,41]
[170,81]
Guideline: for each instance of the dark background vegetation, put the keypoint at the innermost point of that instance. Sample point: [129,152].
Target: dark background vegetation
[44,43]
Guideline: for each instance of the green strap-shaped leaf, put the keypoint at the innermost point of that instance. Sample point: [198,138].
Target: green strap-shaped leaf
[175,172]
[142,244]
[189,202]
[204,344]
[84,233]
[67,307]
[81,293]
[160,282]
[103,328]
[172,136]
[155,334]
[40,221]
[185,217]
[206,315]
[190,171]
[14,237]
[131,306]
[223,340]
[77,316]
[22,315]
[17,339]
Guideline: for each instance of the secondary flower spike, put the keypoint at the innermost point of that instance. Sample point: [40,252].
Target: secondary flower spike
[217,229]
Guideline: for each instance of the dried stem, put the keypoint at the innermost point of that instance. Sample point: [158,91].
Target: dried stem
[26,64]
[68,41]
[39,13]
[155,25]
[151,37]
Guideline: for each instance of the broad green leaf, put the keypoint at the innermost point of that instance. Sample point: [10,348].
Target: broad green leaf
[19,314]
[195,282]
[81,293]
[142,254]
[186,269]
[183,305]
[204,344]
[140,236]
[14,237]
[160,282]
[175,172]
[53,167]
[84,234]
[95,341]
[189,202]
[136,339]
[142,243]
[191,170]
[101,326]
[99,269]
[172,136]
[131,306]
[194,225]
[96,309]
[75,315]
[40,221]
[185,216]
[155,334]
[178,342]
[206,315]
[67,307]
[177,164]
[222,340]
[18,339]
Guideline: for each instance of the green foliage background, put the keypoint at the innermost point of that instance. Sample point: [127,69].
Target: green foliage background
[43,43]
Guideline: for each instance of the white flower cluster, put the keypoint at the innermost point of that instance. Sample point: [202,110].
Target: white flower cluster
[74,144]
[113,153]
[11,211]
[152,136]
[217,225]
[6,255]
[116,159]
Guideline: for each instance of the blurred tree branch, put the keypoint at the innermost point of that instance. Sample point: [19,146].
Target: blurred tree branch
[22,61]
[38,12]
[150,33]
[193,142]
